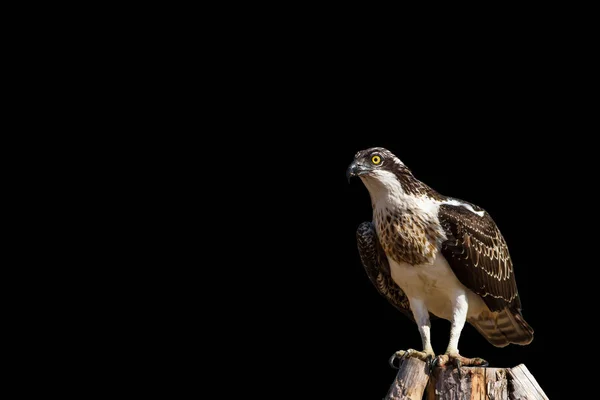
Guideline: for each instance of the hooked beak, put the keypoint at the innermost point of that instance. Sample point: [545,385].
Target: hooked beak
[355,170]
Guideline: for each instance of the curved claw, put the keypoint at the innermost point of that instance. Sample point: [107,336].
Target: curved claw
[458,365]
[430,363]
[403,355]
[437,361]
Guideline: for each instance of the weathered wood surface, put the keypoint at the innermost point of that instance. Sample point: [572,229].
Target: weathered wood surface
[474,383]
[523,385]
[496,383]
[410,382]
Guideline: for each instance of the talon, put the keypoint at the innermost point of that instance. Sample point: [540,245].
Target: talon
[439,361]
[402,354]
[460,361]
[458,365]
[430,362]
[394,356]
[480,362]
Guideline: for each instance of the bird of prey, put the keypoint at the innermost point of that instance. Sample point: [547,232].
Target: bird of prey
[432,254]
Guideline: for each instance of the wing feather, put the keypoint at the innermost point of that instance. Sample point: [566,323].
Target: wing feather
[378,268]
[478,255]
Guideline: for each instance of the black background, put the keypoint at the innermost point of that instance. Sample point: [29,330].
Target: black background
[336,332]
[513,139]
[263,131]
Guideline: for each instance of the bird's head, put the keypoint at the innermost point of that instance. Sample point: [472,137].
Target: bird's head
[381,171]
[377,163]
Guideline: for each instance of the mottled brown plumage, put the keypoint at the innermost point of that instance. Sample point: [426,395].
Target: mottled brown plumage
[413,227]
[378,268]
[407,236]
[478,255]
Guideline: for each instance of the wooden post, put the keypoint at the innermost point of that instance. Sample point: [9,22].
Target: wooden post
[474,383]
[410,381]
[496,383]
[524,385]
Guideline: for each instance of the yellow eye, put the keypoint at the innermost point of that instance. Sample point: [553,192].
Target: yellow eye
[376,160]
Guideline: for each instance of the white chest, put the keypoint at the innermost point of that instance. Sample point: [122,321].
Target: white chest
[419,280]
[435,284]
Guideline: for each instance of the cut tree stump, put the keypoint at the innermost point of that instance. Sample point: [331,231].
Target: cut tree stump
[475,383]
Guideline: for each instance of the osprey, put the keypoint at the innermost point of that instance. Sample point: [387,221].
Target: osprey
[431,254]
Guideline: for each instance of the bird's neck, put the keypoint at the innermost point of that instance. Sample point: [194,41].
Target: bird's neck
[384,191]
[393,190]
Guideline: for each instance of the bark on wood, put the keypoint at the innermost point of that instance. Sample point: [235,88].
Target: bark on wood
[476,383]
[410,381]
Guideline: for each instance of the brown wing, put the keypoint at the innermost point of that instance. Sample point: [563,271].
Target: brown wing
[378,268]
[478,255]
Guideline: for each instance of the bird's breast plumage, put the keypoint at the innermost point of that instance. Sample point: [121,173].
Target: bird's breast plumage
[408,235]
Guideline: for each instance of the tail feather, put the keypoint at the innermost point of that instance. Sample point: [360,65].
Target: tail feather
[521,333]
[488,330]
[504,327]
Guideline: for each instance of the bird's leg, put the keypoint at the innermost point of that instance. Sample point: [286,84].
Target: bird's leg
[460,308]
[421,315]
